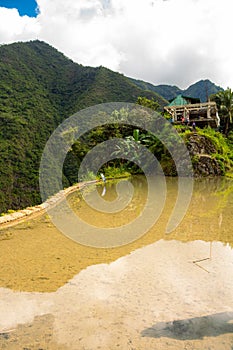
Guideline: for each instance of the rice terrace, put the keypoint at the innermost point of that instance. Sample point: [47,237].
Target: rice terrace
[116,185]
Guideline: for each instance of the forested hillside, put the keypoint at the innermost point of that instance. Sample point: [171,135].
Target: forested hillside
[167,91]
[203,89]
[39,87]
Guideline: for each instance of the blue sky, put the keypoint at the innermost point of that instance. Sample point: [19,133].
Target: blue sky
[176,42]
[25,7]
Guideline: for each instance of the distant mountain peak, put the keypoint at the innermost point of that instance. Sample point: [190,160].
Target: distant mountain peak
[202,89]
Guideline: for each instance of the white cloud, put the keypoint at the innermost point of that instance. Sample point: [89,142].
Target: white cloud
[174,41]
[13,27]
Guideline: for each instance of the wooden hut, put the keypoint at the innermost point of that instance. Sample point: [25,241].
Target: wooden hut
[186,110]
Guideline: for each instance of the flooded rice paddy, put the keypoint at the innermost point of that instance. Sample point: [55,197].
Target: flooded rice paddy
[162,291]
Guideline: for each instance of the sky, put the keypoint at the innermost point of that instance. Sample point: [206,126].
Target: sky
[175,42]
[25,7]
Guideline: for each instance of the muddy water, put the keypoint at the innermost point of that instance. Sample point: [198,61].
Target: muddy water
[160,292]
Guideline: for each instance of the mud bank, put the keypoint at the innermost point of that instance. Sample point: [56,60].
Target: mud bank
[30,212]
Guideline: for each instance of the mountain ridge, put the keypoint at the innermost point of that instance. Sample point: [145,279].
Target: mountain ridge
[201,89]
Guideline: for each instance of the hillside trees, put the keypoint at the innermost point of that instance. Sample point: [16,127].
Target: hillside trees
[224,100]
[149,103]
[40,88]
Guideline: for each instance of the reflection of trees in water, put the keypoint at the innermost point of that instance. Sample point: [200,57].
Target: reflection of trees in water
[209,216]
[111,193]
[215,193]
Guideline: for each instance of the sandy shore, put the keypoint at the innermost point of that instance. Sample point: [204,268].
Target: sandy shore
[154,298]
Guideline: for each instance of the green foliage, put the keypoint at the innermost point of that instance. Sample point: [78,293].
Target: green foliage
[195,159]
[185,130]
[116,172]
[229,139]
[162,95]
[224,101]
[39,88]
[136,135]
[222,161]
[224,148]
[168,165]
[89,176]
[10,211]
[229,174]
[216,137]
[145,102]
[168,92]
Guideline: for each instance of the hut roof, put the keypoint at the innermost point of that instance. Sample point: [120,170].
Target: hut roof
[181,100]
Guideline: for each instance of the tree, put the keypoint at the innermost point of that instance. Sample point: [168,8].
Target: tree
[145,102]
[225,101]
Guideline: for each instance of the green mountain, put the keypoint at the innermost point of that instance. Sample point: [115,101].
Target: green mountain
[167,91]
[201,89]
[39,88]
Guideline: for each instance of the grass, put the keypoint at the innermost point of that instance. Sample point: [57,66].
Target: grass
[116,172]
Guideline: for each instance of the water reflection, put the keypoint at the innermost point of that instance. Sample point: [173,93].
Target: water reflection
[103,191]
[209,216]
[193,328]
[181,283]
[35,256]
[106,305]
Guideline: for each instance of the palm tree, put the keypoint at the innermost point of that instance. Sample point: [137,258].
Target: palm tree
[226,107]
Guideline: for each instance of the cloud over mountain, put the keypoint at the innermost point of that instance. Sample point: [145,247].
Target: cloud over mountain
[174,41]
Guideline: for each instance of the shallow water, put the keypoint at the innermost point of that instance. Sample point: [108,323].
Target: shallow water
[162,291]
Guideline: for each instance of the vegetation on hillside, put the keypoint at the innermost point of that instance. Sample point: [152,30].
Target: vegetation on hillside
[224,101]
[202,90]
[40,87]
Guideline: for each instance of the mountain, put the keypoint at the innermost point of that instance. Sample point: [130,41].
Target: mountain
[167,91]
[201,89]
[39,88]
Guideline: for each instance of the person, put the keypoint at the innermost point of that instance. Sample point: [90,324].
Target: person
[194,126]
[103,177]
